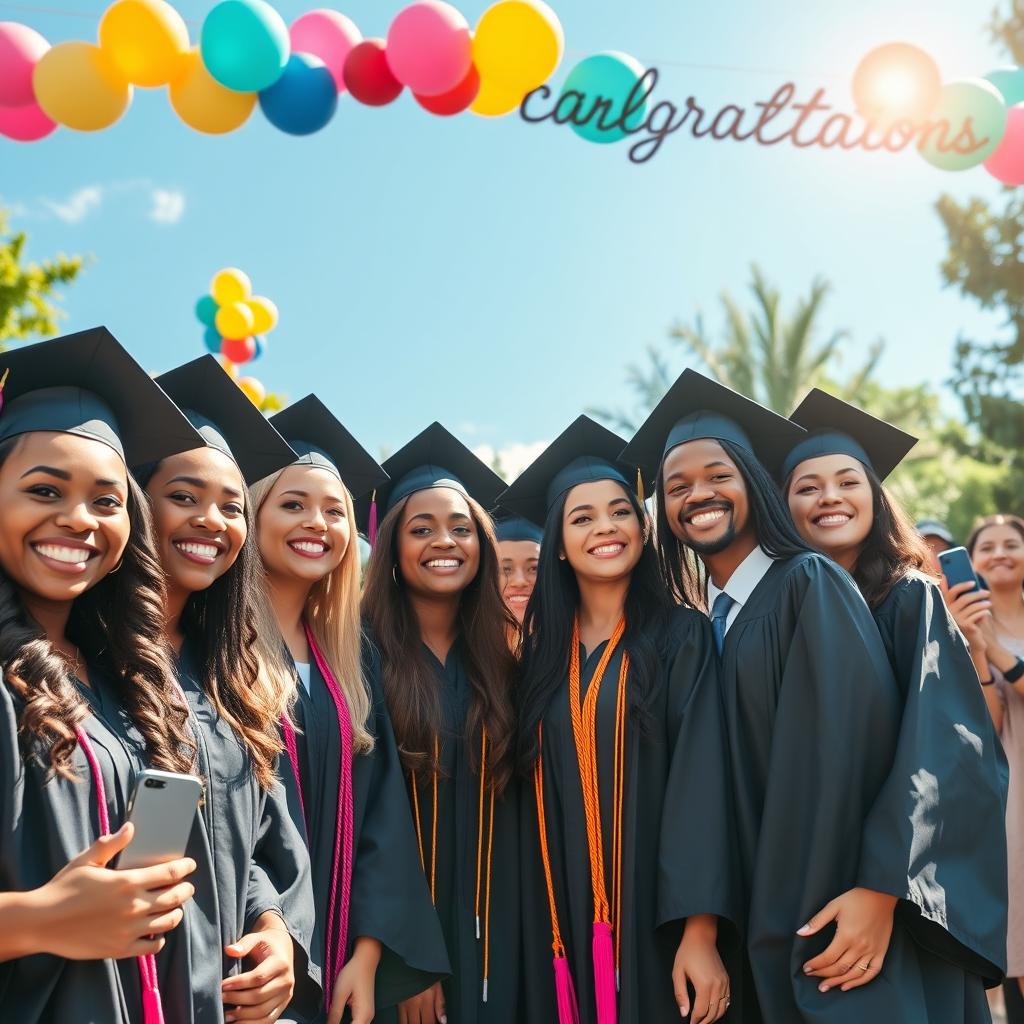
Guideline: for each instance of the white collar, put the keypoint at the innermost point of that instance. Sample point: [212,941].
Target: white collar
[744,579]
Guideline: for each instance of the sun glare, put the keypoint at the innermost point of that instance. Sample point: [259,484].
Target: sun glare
[897,82]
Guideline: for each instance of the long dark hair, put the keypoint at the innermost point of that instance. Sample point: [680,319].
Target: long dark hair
[548,624]
[118,622]
[410,683]
[684,574]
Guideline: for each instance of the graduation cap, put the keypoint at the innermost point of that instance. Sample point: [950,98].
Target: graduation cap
[698,408]
[226,419]
[837,428]
[319,439]
[583,453]
[87,384]
[433,458]
[514,528]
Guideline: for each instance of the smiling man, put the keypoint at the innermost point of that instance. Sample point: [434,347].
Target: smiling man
[812,711]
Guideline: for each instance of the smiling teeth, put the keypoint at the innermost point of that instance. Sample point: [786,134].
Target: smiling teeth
[202,550]
[703,518]
[607,549]
[312,547]
[836,519]
[443,563]
[59,553]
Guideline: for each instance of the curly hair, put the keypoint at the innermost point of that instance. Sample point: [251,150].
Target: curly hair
[120,622]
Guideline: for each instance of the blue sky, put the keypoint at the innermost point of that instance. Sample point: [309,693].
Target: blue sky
[495,275]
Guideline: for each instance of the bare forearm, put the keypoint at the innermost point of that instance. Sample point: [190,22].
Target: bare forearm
[22,914]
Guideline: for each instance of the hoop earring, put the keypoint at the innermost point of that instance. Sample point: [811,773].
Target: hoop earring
[394,575]
[117,568]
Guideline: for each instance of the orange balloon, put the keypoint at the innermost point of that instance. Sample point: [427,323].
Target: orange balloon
[897,82]
[203,103]
[77,85]
[146,40]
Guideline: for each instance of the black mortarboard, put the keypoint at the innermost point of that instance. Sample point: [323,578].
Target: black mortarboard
[87,384]
[583,453]
[517,528]
[434,458]
[319,439]
[696,408]
[835,427]
[225,418]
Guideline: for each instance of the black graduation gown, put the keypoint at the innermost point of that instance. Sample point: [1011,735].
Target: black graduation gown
[457,821]
[390,899]
[814,715]
[677,840]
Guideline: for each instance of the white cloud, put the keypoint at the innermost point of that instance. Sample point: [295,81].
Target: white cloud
[77,206]
[168,205]
[513,458]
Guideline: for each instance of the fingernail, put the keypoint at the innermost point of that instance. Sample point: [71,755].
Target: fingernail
[823,988]
[803,931]
[807,969]
[444,1019]
[684,1010]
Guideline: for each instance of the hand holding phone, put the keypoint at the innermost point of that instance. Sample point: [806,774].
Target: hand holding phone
[162,809]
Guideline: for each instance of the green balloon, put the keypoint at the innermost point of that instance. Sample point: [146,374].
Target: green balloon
[1010,82]
[604,83]
[975,113]
[206,310]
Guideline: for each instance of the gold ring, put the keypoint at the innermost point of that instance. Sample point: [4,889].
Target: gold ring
[865,967]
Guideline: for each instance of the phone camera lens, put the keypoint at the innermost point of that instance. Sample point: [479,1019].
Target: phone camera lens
[154,784]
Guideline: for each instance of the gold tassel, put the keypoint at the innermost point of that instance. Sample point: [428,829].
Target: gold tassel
[640,486]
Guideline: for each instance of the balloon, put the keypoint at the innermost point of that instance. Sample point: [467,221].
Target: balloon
[146,40]
[455,101]
[261,346]
[206,105]
[1010,82]
[1006,164]
[328,35]
[971,115]
[206,310]
[604,76]
[238,350]
[245,44]
[518,44]
[494,101]
[20,50]
[234,320]
[303,99]
[212,340]
[253,390]
[25,124]
[264,314]
[429,47]
[77,85]
[897,82]
[367,75]
[229,367]
[230,285]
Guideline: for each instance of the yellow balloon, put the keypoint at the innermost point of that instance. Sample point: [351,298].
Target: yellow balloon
[264,314]
[230,285]
[234,320]
[494,101]
[253,390]
[229,367]
[146,39]
[78,86]
[203,103]
[518,44]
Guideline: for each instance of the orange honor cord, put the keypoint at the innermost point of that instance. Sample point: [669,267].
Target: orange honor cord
[483,869]
[433,831]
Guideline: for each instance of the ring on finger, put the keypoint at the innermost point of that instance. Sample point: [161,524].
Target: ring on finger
[865,967]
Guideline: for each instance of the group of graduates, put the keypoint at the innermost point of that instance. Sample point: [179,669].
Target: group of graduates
[727,762]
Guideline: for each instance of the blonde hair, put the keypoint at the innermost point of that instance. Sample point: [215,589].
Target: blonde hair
[332,612]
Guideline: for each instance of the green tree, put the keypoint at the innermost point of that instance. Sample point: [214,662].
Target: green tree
[29,297]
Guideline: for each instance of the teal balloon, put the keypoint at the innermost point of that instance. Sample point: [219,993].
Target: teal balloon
[206,310]
[245,45]
[212,340]
[1010,82]
[605,81]
[973,99]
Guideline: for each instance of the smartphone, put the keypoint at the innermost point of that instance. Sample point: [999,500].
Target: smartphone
[956,567]
[162,809]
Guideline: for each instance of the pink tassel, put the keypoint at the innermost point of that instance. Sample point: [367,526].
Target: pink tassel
[604,973]
[565,993]
[372,529]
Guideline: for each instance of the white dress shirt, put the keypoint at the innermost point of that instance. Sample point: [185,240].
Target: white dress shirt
[302,668]
[741,583]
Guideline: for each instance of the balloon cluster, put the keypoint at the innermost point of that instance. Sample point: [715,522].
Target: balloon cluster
[246,55]
[900,82]
[235,323]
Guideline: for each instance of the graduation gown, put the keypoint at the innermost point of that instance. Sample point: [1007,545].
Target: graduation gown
[457,824]
[390,899]
[676,842]
[814,716]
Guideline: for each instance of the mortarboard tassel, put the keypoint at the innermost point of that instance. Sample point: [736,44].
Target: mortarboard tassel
[640,486]
[372,528]
[565,993]
[604,973]
[3,381]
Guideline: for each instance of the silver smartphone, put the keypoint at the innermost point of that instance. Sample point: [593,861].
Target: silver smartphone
[162,809]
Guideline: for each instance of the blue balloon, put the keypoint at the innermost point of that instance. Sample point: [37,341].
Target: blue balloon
[206,310]
[212,340]
[604,84]
[244,44]
[303,99]
[261,346]
[1010,82]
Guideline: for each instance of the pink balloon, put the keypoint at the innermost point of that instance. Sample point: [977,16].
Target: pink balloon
[1006,164]
[20,49]
[25,124]
[328,35]
[429,47]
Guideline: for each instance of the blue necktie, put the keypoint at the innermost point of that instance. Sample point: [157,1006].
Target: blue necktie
[719,616]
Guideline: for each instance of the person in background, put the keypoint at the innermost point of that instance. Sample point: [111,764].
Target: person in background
[519,543]
[936,535]
[992,620]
